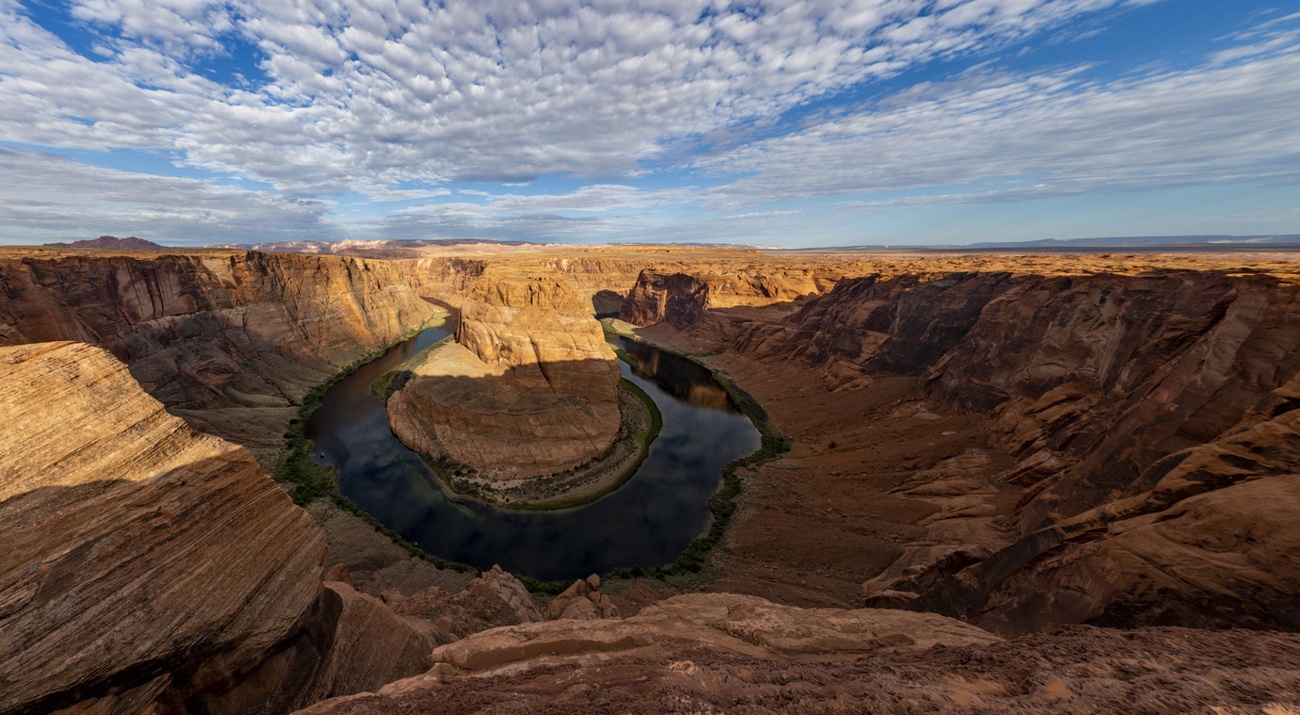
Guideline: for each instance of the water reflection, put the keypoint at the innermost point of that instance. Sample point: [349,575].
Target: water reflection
[647,522]
[683,379]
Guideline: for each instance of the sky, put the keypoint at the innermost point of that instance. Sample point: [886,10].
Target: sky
[816,123]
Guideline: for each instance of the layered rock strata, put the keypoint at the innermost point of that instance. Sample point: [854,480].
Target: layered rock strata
[678,298]
[150,568]
[1101,388]
[135,549]
[1076,669]
[672,632]
[228,340]
[529,387]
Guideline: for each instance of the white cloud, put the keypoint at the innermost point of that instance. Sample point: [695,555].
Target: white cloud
[48,197]
[383,91]
[1230,120]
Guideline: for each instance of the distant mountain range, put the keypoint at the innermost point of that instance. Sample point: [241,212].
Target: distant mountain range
[353,246]
[1139,241]
[130,243]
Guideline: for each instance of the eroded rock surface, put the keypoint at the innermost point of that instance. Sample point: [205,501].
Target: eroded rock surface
[150,568]
[135,550]
[529,387]
[677,298]
[671,631]
[1074,670]
[1100,388]
[227,340]
[582,601]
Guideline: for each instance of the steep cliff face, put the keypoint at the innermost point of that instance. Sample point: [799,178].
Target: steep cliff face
[1096,384]
[529,387]
[136,550]
[1208,539]
[678,298]
[150,568]
[734,277]
[226,339]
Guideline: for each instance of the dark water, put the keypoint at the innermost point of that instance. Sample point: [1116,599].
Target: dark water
[647,522]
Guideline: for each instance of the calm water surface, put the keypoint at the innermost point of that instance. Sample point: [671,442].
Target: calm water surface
[647,522]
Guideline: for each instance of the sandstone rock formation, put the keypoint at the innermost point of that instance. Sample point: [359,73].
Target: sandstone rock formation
[582,601]
[1078,669]
[529,387]
[149,568]
[227,340]
[678,298]
[672,631]
[1212,542]
[495,598]
[135,549]
[1100,386]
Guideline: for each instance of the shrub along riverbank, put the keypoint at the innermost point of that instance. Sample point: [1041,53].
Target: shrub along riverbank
[722,505]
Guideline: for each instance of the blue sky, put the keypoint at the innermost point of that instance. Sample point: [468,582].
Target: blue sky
[818,123]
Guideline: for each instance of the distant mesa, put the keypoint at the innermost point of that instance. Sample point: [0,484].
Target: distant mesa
[1207,241]
[130,243]
[378,248]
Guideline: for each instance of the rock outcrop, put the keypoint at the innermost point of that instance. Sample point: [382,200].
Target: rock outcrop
[582,601]
[529,387]
[678,298]
[765,634]
[1076,669]
[227,340]
[135,550]
[150,568]
[1101,387]
[1211,543]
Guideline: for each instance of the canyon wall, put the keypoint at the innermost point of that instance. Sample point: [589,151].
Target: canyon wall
[146,565]
[530,386]
[1100,386]
[228,340]
[677,298]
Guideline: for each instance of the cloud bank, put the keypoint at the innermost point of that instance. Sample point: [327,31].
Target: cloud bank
[403,101]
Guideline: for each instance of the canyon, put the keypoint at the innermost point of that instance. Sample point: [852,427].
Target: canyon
[1045,482]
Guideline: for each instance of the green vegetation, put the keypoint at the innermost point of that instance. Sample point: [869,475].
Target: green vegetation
[723,502]
[306,481]
[627,357]
[395,379]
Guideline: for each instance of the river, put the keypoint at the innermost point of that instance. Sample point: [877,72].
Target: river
[648,521]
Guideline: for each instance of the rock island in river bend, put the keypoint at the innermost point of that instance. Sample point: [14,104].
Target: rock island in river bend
[528,391]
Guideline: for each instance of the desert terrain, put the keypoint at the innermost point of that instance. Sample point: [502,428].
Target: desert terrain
[1005,482]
